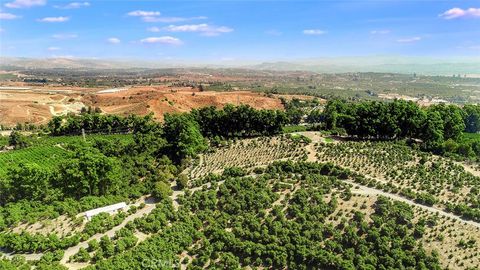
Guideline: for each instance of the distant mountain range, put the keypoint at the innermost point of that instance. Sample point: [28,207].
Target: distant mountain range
[420,65]
[425,66]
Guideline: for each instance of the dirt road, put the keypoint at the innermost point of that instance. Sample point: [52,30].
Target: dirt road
[371,191]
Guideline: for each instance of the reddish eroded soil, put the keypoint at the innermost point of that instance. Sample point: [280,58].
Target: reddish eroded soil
[39,104]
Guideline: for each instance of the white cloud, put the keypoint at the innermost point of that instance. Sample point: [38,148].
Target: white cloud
[171,19]
[314,32]
[113,40]
[25,3]
[73,5]
[409,40]
[380,32]
[142,13]
[162,40]
[204,29]
[8,16]
[459,13]
[64,36]
[52,49]
[54,19]
[154,16]
[153,29]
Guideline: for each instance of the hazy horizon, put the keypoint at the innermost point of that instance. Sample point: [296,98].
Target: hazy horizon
[387,64]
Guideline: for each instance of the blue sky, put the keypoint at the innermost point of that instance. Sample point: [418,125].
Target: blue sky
[232,30]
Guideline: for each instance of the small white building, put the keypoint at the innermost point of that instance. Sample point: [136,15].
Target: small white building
[111,209]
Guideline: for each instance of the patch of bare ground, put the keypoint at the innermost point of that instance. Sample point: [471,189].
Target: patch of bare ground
[38,104]
[456,243]
[61,226]
[402,170]
[248,153]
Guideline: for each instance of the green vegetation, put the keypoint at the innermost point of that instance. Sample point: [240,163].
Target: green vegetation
[46,156]
[7,76]
[290,129]
[238,121]
[237,205]
[238,223]
[413,174]
[439,127]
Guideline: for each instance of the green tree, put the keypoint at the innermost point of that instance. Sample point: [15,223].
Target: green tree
[26,181]
[453,120]
[432,131]
[182,181]
[17,140]
[161,191]
[472,118]
[89,172]
[183,136]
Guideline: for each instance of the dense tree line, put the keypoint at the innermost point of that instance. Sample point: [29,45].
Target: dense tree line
[238,121]
[399,119]
[94,122]
[231,121]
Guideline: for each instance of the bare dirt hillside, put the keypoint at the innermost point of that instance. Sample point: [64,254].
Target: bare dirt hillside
[38,104]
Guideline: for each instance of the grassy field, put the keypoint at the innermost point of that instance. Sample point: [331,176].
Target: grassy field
[8,76]
[290,129]
[471,137]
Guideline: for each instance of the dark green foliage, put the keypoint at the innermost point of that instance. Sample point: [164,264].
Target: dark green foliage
[161,191]
[426,198]
[17,140]
[238,121]
[229,227]
[398,119]
[94,122]
[182,181]
[234,172]
[103,222]
[452,117]
[405,119]
[183,136]
[89,172]
[27,181]
[472,118]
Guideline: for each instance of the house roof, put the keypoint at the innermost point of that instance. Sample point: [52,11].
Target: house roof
[108,208]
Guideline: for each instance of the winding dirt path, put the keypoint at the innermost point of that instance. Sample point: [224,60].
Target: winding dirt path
[372,191]
[150,206]
[364,190]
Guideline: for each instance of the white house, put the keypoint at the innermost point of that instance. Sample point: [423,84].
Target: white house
[111,209]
